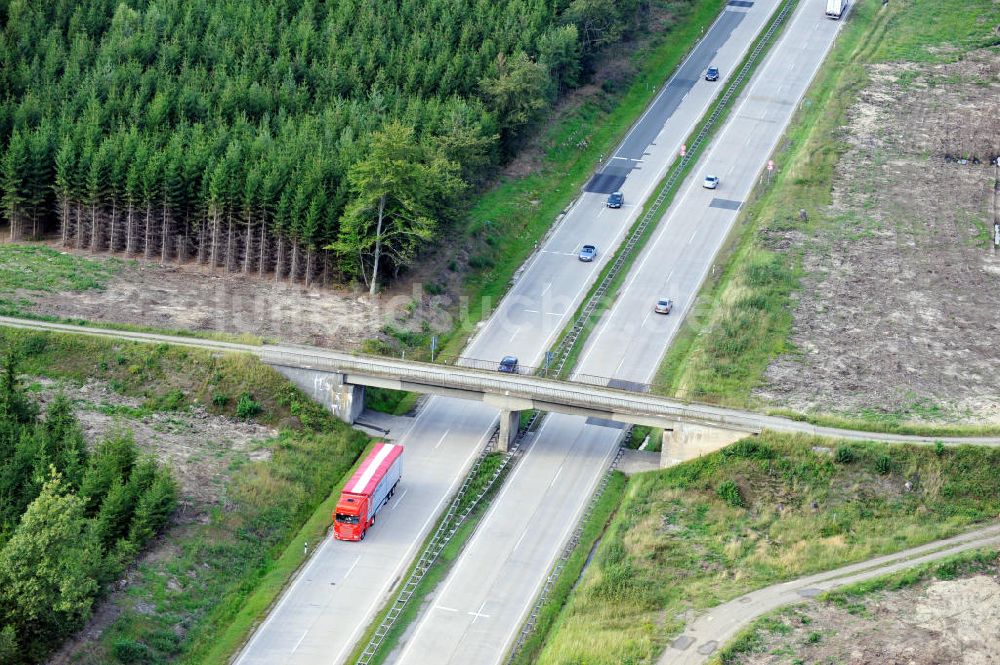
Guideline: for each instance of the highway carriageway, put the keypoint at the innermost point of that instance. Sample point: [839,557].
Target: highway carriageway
[338,379]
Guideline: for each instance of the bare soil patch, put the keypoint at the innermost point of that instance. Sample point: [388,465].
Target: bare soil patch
[200,448]
[898,310]
[942,621]
[194,298]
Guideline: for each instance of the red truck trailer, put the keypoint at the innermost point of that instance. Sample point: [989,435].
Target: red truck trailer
[367,491]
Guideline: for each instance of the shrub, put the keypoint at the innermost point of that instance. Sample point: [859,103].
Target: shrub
[844,455]
[748,449]
[883,465]
[247,407]
[130,651]
[729,492]
[220,400]
[939,449]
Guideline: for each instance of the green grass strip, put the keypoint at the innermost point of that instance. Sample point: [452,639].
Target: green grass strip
[267,592]
[593,530]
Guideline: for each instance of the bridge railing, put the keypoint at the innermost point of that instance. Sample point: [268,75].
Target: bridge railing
[539,389]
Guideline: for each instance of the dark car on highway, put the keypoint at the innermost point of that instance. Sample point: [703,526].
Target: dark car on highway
[712,74]
[587,253]
[616,199]
[508,365]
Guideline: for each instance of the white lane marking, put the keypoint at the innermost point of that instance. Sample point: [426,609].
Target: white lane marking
[479,613]
[304,633]
[351,569]
[443,437]
[523,534]
[548,285]
[558,471]
[691,239]
[445,609]
[514,334]
[317,555]
[399,500]
[405,561]
[530,311]
[644,319]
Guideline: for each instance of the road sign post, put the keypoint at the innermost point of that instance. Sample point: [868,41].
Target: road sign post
[548,361]
[770,169]
[434,346]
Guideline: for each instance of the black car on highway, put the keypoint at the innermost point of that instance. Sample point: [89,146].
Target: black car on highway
[508,365]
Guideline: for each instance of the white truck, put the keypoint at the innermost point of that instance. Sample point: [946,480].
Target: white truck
[835,8]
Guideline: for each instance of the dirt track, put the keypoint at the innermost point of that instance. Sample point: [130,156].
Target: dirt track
[944,621]
[703,636]
[898,310]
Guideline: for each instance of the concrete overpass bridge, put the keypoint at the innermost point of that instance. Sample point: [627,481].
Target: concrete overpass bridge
[338,380]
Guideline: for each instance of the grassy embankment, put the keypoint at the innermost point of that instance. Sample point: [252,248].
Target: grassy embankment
[515,213]
[223,572]
[751,639]
[751,320]
[761,511]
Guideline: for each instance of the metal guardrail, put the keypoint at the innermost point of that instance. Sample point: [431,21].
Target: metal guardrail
[447,527]
[561,351]
[529,625]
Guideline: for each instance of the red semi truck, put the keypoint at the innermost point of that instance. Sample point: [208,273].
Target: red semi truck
[367,491]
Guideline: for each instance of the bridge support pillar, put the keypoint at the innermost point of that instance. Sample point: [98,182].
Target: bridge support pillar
[510,422]
[685,442]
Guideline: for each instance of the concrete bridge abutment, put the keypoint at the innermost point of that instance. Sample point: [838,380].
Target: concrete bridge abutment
[345,400]
[685,442]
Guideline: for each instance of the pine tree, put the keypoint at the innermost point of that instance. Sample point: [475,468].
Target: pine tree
[47,569]
[14,183]
[112,460]
[153,509]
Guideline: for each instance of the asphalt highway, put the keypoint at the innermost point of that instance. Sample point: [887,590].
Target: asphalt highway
[324,611]
[480,607]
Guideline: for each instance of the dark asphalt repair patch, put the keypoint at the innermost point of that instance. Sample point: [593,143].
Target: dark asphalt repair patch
[725,204]
[640,137]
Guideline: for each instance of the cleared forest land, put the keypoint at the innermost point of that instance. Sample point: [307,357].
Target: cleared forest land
[863,289]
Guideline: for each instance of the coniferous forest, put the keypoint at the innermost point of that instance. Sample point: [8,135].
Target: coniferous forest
[305,139]
[70,520]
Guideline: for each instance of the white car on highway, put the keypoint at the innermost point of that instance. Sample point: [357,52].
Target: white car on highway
[711,182]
